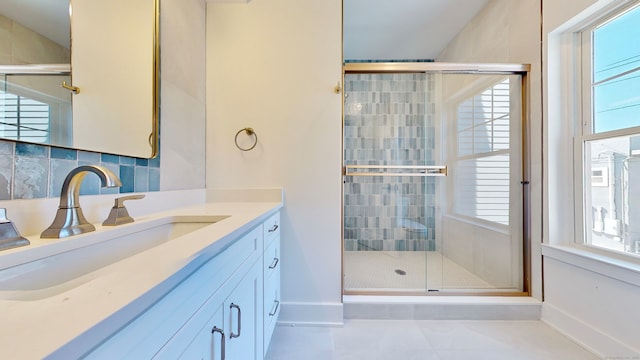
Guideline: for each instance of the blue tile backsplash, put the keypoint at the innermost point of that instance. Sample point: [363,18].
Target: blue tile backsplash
[30,171]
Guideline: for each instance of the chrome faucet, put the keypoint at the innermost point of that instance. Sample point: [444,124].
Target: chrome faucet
[69,218]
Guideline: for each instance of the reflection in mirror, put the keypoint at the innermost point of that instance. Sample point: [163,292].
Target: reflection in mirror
[115,64]
[34,32]
[34,108]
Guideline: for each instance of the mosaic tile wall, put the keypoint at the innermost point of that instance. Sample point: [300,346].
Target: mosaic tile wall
[389,120]
[29,171]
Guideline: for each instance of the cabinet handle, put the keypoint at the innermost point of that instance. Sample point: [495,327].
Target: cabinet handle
[232,335]
[222,341]
[274,263]
[274,228]
[274,310]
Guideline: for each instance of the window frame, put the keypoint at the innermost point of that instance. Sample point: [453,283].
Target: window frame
[583,127]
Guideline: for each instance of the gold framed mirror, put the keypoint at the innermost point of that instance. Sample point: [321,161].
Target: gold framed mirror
[110,77]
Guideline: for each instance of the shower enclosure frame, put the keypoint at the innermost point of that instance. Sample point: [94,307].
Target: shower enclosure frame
[457,68]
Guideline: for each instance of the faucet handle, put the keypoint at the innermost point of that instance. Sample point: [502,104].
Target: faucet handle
[119,214]
[120,201]
[9,235]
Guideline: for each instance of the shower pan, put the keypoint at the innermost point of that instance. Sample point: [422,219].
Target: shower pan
[435,179]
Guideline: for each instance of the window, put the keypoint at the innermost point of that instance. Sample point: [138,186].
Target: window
[599,176]
[23,119]
[609,136]
[481,158]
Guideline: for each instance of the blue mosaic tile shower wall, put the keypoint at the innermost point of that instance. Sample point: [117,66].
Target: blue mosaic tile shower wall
[29,171]
[389,120]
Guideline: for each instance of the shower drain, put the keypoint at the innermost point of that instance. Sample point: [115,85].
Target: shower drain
[400,272]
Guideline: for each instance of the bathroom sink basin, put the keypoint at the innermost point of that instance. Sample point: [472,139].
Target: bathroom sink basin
[58,273]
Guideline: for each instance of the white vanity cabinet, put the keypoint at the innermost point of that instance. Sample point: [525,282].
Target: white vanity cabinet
[224,310]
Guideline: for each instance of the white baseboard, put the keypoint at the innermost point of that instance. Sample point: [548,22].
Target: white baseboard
[586,335]
[311,314]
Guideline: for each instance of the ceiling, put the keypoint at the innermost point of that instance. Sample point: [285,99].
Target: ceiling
[403,29]
[49,18]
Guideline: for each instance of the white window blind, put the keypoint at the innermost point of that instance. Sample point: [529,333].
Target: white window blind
[23,119]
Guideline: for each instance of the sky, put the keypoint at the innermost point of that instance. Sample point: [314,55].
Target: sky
[616,50]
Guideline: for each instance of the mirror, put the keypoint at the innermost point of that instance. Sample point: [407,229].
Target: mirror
[110,71]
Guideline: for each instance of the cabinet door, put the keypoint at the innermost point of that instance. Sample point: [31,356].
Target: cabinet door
[243,318]
[209,342]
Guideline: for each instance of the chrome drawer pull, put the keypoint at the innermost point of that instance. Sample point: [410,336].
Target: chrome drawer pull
[273,228]
[275,308]
[222,350]
[274,263]
[232,335]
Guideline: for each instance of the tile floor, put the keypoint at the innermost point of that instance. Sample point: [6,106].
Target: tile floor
[425,340]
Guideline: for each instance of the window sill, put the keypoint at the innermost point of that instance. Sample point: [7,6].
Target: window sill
[499,228]
[620,269]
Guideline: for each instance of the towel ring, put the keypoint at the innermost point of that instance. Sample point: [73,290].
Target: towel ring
[249,131]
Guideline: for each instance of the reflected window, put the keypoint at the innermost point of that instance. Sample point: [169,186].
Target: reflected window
[35,108]
[24,119]
[482,164]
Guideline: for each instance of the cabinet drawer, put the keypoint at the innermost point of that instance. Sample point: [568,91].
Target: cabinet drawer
[271,259]
[271,309]
[271,229]
[151,330]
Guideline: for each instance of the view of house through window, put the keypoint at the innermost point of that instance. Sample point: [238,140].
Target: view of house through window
[611,133]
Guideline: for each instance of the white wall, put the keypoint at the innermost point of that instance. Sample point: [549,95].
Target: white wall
[273,65]
[591,306]
[508,31]
[588,296]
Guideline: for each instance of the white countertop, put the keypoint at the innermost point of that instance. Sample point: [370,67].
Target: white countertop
[81,316]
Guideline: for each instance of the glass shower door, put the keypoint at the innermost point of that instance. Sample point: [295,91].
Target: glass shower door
[433,183]
[390,228]
[390,178]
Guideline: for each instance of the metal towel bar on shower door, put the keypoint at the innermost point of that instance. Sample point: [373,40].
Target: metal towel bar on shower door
[400,170]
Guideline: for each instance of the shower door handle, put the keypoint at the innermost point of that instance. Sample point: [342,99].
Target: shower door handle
[396,170]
